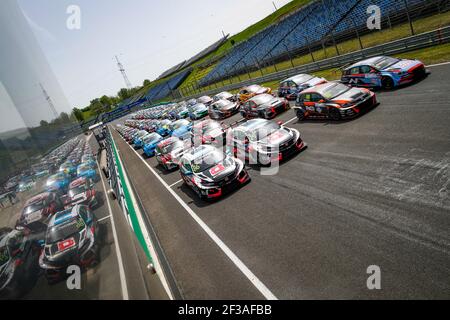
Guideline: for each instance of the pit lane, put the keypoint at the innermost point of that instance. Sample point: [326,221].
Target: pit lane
[370,191]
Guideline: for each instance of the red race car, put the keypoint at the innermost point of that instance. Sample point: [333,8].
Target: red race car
[81,191]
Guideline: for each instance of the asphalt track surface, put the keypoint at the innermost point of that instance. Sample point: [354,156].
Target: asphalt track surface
[370,191]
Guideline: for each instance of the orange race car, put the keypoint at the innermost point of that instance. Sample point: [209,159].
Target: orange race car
[334,101]
[251,91]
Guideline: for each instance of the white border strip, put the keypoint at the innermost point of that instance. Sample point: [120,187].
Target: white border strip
[239,264]
[123,282]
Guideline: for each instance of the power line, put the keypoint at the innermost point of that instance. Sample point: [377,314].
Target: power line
[124,74]
[49,101]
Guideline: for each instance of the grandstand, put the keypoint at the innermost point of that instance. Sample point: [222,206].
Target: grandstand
[312,24]
[195,58]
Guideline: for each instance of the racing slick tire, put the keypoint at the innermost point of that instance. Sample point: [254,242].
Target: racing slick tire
[300,114]
[334,114]
[387,83]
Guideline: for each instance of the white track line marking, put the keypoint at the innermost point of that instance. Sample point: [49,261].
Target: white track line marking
[230,254]
[287,122]
[123,282]
[438,64]
[103,219]
[175,183]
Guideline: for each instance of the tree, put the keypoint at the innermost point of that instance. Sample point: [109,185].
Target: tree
[146,82]
[78,114]
[97,108]
[43,123]
[123,94]
[64,117]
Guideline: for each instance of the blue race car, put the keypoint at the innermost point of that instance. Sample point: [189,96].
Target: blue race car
[198,111]
[181,128]
[163,128]
[68,168]
[383,72]
[87,171]
[58,182]
[151,143]
[137,139]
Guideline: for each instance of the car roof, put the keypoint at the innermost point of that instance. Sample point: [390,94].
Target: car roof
[37,198]
[369,62]
[78,182]
[252,124]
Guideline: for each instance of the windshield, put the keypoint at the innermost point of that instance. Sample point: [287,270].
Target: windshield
[199,107]
[330,92]
[165,149]
[207,161]
[179,124]
[222,103]
[34,207]
[84,168]
[61,232]
[264,131]
[77,190]
[253,88]
[151,138]
[261,99]
[4,256]
[303,78]
[385,62]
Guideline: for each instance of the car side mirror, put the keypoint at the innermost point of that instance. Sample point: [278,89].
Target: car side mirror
[322,101]
[280,123]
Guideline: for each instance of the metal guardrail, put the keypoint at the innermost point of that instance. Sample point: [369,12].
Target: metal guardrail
[420,41]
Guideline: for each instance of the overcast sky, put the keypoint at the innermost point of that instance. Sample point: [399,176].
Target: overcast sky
[149,35]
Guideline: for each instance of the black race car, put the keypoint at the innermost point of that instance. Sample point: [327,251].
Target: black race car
[71,239]
[264,106]
[222,109]
[18,263]
[211,173]
[261,141]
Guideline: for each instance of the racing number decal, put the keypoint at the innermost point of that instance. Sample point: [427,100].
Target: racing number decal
[217,169]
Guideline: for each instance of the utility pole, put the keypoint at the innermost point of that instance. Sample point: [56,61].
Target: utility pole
[274,5]
[49,101]
[124,74]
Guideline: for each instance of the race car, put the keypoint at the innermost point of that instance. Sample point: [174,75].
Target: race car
[38,210]
[19,256]
[71,239]
[206,100]
[291,87]
[182,112]
[169,152]
[150,144]
[81,191]
[251,91]
[26,184]
[137,138]
[225,96]
[222,109]
[208,132]
[334,101]
[191,103]
[58,182]
[264,106]
[261,141]
[181,128]
[68,168]
[383,72]
[86,170]
[198,111]
[211,173]
[163,128]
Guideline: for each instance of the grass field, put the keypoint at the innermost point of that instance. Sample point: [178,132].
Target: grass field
[368,40]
